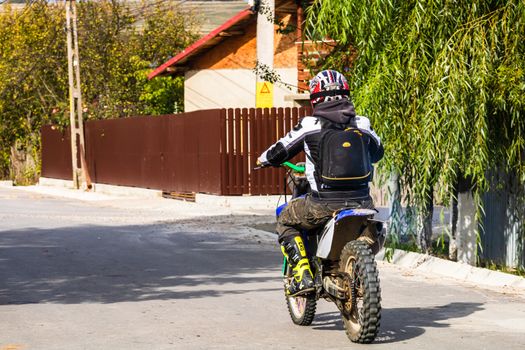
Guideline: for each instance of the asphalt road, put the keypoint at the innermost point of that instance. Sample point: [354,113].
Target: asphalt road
[124,274]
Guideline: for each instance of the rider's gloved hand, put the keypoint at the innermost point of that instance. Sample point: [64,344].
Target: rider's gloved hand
[259,164]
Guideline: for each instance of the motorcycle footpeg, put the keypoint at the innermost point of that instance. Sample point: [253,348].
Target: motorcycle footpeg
[303,292]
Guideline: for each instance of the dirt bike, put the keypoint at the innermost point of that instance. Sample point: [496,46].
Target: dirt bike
[341,255]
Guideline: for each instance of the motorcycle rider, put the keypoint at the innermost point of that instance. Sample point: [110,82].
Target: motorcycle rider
[340,148]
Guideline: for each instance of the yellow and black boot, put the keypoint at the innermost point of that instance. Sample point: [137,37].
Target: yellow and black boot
[303,280]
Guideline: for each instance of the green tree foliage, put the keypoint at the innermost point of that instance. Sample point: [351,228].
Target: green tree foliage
[443,81]
[119,43]
[32,75]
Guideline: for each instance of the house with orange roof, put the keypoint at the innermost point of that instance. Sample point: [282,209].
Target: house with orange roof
[219,69]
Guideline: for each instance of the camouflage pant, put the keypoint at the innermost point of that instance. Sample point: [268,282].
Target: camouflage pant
[306,214]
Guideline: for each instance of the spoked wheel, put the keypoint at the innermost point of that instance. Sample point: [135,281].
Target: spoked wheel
[362,310]
[301,308]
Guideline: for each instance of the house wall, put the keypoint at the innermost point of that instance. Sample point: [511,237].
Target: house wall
[223,77]
[288,75]
[236,52]
[286,50]
[230,88]
[239,51]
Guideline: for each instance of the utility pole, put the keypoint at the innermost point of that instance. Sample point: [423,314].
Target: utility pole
[265,51]
[80,173]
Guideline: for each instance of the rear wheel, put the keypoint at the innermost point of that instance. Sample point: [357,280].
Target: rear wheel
[302,307]
[362,309]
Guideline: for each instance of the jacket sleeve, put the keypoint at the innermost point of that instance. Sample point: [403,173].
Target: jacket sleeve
[375,146]
[376,152]
[291,144]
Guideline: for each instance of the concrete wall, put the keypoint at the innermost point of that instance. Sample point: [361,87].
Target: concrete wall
[231,88]
[503,234]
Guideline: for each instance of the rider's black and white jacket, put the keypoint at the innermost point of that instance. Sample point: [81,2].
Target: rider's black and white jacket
[305,136]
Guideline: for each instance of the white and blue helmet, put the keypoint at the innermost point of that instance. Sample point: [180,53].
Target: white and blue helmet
[328,85]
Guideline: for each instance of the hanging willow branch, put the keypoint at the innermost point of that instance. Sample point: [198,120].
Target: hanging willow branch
[443,81]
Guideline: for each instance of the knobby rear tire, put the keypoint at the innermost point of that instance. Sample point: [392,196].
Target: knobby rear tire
[363,323]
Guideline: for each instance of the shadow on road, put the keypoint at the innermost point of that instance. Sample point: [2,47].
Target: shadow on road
[399,324]
[109,264]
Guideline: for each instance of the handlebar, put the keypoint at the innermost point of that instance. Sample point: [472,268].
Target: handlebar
[292,166]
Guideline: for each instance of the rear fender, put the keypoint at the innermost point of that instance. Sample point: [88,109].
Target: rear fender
[325,243]
[347,225]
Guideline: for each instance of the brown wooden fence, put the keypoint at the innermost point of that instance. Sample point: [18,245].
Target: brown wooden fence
[210,151]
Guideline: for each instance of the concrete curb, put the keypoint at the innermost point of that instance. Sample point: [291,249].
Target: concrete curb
[6,183]
[240,202]
[127,191]
[456,270]
[44,181]
[124,191]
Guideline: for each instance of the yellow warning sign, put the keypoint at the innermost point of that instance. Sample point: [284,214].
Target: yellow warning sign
[265,89]
[264,96]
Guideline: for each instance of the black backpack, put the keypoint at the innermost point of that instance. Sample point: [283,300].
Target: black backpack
[344,158]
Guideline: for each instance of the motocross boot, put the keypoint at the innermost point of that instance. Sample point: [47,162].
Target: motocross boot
[303,280]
